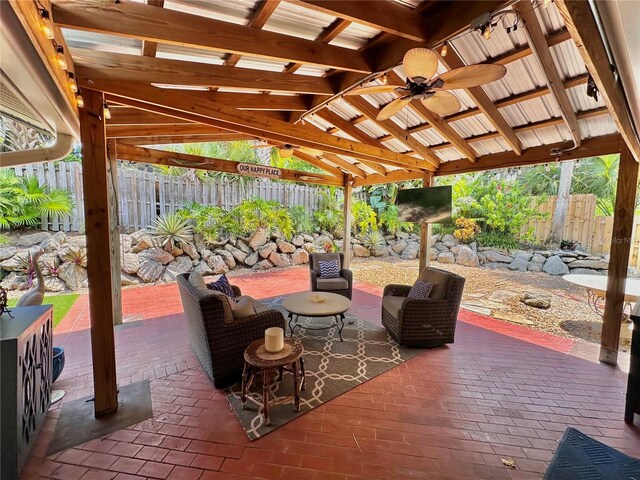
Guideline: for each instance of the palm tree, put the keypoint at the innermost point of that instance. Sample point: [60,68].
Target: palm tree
[599,175]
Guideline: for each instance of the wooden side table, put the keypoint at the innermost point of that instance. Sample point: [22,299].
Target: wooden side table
[257,361]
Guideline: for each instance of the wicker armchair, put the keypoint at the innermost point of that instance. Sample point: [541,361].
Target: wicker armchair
[424,323]
[342,285]
[217,340]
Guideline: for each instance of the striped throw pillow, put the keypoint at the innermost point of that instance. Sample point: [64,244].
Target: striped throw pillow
[222,285]
[329,269]
[420,290]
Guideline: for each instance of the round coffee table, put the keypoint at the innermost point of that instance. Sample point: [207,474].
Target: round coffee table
[257,361]
[316,304]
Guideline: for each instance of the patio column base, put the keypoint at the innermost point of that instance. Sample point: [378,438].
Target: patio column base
[608,356]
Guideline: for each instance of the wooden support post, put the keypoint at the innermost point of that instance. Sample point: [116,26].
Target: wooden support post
[114,229]
[425,231]
[346,238]
[100,251]
[619,255]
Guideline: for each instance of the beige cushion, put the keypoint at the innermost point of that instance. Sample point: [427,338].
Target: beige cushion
[243,308]
[325,257]
[439,279]
[196,280]
[328,284]
[393,305]
[226,304]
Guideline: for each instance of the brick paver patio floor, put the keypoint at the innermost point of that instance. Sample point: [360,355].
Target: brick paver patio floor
[501,391]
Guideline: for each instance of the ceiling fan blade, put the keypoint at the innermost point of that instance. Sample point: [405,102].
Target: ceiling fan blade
[420,62]
[310,151]
[285,152]
[394,107]
[442,103]
[472,76]
[373,89]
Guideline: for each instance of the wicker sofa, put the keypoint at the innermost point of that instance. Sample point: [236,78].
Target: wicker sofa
[217,339]
[342,285]
[424,323]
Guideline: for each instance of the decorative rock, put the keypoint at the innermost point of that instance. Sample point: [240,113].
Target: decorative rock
[435,239]
[449,240]
[284,246]
[258,238]
[500,296]
[543,303]
[190,249]
[7,252]
[157,255]
[54,284]
[15,281]
[50,245]
[126,242]
[217,264]
[203,269]
[380,252]
[280,259]
[79,241]
[180,265]
[493,256]
[300,257]
[14,263]
[138,235]
[206,253]
[393,254]
[360,251]
[399,246]
[238,254]
[537,258]
[512,317]
[568,259]
[588,271]
[474,246]
[130,263]
[526,256]
[519,264]
[534,267]
[199,243]
[456,249]
[402,235]
[176,251]
[60,237]
[126,279]
[321,240]
[494,265]
[555,266]
[263,265]
[32,239]
[594,264]
[298,240]
[411,252]
[145,242]
[227,257]
[243,247]
[433,255]
[73,275]
[267,249]
[150,271]
[441,247]
[307,238]
[252,259]
[446,257]
[466,256]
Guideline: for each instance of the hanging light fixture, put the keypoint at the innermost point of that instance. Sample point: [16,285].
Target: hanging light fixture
[486,31]
[45,24]
[71,81]
[385,79]
[79,101]
[61,60]
[105,111]
[444,50]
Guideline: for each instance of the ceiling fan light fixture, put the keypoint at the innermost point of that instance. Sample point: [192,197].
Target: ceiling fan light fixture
[444,50]
[486,31]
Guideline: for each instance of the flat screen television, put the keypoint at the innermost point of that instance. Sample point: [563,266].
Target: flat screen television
[422,205]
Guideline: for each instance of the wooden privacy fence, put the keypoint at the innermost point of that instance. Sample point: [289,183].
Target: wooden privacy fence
[582,225]
[142,195]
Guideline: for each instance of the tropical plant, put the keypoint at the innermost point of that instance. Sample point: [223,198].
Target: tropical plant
[364,217]
[381,196]
[257,213]
[171,229]
[389,221]
[26,266]
[301,219]
[328,216]
[77,256]
[213,223]
[373,240]
[23,200]
[466,230]
[496,239]
[52,268]
[599,175]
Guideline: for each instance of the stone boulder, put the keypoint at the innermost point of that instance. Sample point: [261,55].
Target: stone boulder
[157,254]
[467,257]
[449,240]
[145,243]
[252,259]
[180,265]
[7,252]
[519,264]
[307,238]
[263,265]
[14,263]
[126,242]
[258,238]
[380,251]
[536,300]
[15,281]
[534,267]
[203,269]
[280,259]
[138,235]
[433,255]
[455,249]
[227,257]
[50,245]
[73,275]
[267,249]
[593,264]
[217,264]
[446,257]
[360,251]
[588,271]
[238,254]
[495,265]
[494,256]
[298,240]
[54,285]
[32,239]
[440,247]
[150,271]
[411,252]
[126,279]
[243,247]
[130,263]
[537,258]
[300,257]
[399,246]
[79,241]
[555,266]
[284,246]
[176,251]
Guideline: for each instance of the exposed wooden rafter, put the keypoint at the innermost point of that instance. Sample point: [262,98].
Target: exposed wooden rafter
[171,139]
[316,162]
[162,25]
[332,31]
[149,49]
[541,51]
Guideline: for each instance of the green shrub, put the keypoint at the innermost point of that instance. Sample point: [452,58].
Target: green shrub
[172,229]
[443,229]
[364,218]
[389,221]
[259,213]
[23,200]
[497,239]
[466,230]
[301,219]
[373,240]
[328,217]
[211,222]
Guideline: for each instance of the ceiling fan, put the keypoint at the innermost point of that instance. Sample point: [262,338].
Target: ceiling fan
[286,150]
[420,65]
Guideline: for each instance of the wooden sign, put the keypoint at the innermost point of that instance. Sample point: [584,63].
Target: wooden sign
[258,170]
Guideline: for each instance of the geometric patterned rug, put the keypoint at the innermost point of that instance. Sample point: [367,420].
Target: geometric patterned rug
[332,368]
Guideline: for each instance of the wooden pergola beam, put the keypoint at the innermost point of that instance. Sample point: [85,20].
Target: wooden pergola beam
[345,165]
[332,31]
[584,31]
[149,49]
[162,25]
[96,65]
[184,106]
[555,38]
[173,139]
[175,159]
[390,126]
[122,131]
[316,162]
[541,50]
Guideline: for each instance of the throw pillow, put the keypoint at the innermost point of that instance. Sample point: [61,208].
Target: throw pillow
[196,280]
[222,285]
[329,269]
[244,308]
[420,290]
